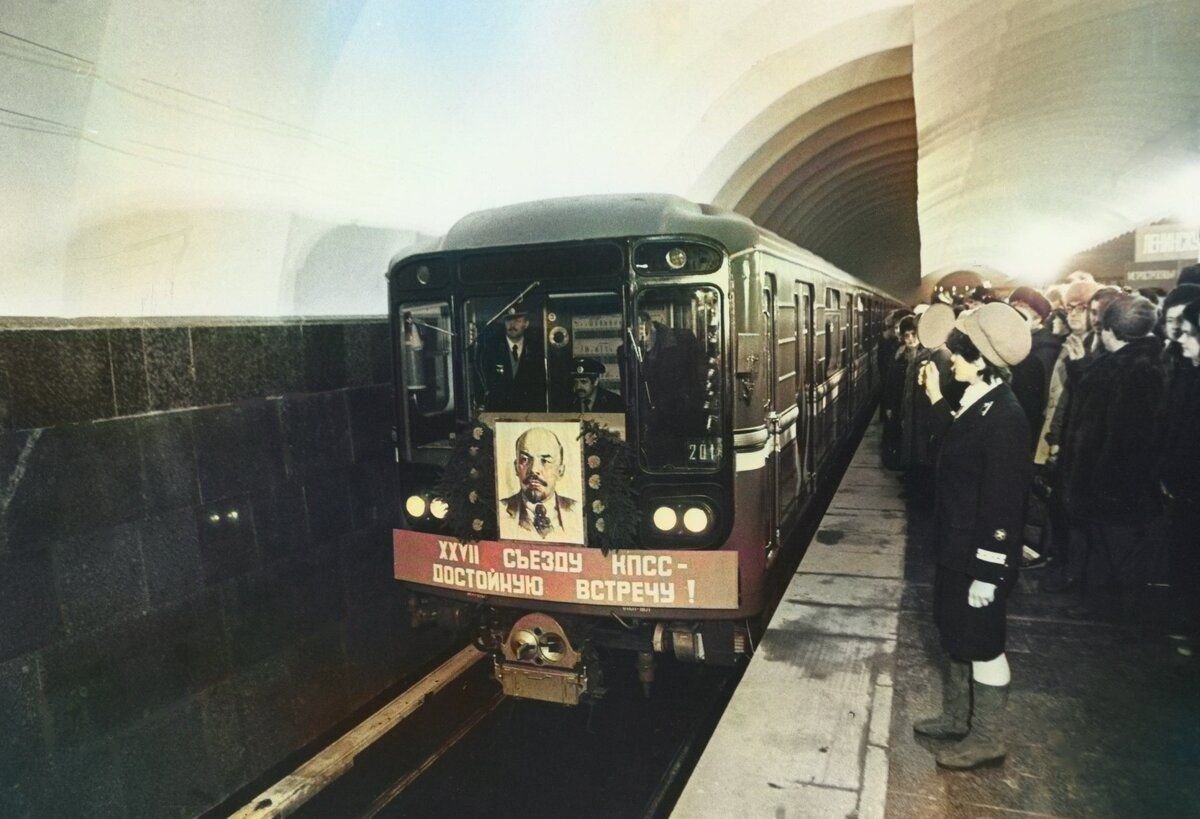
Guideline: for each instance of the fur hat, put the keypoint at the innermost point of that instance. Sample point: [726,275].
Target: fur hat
[935,325]
[999,331]
[1129,317]
[1079,292]
[1032,299]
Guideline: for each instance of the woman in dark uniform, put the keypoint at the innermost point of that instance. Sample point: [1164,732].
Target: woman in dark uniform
[983,471]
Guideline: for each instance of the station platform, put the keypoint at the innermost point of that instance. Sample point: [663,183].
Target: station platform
[1104,717]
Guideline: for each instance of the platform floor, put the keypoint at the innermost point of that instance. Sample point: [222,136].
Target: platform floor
[1105,718]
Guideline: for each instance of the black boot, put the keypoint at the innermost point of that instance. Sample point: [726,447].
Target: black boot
[956,706]
[985,744]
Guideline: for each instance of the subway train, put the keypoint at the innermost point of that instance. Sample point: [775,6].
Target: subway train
[611,415]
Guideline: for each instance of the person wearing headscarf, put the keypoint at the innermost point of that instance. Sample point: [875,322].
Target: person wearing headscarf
[979,515]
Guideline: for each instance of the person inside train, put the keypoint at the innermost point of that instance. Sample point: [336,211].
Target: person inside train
[981,483]
[1108,455]
[586,393]
[671,393]
[1179,480]
[514,366]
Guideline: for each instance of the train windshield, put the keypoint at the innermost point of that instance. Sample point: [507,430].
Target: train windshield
[678,352]
[546,353]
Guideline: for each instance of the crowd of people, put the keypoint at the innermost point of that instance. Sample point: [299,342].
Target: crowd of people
[1054,429]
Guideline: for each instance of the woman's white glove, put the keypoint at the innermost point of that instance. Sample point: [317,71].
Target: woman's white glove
[980,594]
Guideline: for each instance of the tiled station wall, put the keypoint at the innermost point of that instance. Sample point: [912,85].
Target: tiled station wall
[195,562]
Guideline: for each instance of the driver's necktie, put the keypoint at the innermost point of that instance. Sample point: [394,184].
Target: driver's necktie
[516,360]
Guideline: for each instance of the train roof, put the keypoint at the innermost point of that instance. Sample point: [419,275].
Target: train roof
[611,216]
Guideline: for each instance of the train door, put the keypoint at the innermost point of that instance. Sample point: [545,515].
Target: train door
[786,399]
[802,298]
[769,367]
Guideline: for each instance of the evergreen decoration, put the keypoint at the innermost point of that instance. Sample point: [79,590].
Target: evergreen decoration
[468,485]
[611,511]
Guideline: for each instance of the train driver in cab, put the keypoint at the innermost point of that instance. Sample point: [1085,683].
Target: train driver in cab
[514,366]
[587,394]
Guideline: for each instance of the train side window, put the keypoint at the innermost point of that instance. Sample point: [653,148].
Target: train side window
[426,345]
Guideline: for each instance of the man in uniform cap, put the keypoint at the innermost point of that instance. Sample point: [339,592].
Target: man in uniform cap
[585,386]
[514,367]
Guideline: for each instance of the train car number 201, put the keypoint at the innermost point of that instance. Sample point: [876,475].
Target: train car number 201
[704,450]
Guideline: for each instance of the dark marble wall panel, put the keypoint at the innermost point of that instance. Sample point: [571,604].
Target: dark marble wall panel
[371,419]
[100,577]
[281,521]
[325,363]
[131,390]
[170,373]
[239,448]
[72,478]
[316,431]
[29,609]
[56,376]
[21,741]
[194,588]
[167,448]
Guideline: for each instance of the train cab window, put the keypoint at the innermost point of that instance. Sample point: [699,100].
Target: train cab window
[678,333]
[426,341]
[556,352]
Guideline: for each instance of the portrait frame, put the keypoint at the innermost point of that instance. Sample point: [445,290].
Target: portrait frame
[513,503]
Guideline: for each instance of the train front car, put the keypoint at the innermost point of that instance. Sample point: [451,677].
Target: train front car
[565,433]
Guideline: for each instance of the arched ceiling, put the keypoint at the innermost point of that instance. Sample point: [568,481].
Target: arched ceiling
[235,158]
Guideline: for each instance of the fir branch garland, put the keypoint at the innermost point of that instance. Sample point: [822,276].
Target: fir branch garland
[611,510]
[468,485]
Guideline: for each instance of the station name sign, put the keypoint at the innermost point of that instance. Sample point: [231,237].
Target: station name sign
[633,578]
[1163,243]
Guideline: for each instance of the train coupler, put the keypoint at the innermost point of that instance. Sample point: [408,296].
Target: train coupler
[537,661]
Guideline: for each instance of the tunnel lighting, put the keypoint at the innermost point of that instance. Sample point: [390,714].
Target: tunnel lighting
[676,258]
[439,508]
[695,520]
[415,506]
[665,519]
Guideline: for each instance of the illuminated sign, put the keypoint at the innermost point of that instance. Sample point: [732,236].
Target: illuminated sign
[1162,243]
[566,574]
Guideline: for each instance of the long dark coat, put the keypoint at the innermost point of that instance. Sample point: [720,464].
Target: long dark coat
[1179,467]
[1109,453]
[982,477]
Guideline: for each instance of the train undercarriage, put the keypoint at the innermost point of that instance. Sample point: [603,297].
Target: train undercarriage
[563,658]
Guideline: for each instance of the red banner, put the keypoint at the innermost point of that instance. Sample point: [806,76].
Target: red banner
[568,574]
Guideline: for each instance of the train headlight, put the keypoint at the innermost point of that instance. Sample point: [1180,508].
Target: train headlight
[696,520]
[665,519]
[439,508]
[676,258]
[415,506]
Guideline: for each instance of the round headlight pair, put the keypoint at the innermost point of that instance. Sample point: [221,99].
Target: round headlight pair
[695,519]
[416,506]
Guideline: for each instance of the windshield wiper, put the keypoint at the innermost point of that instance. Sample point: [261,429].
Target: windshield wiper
[517,300]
